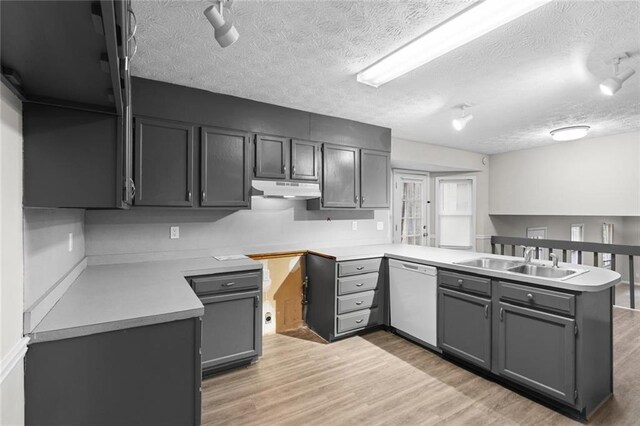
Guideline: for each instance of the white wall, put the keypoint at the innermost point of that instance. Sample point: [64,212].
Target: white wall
[46,254]
[441,161]
[11,281]
[595,177]
[270,225]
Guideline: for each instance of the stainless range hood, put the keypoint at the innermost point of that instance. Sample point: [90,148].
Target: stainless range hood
[292,190]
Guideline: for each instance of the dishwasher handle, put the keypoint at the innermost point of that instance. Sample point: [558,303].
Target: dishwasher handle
[412,267]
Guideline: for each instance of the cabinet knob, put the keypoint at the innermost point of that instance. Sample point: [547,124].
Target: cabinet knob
[357,198]
[284,169]
[189,196]
[460,281]
[204,197]
[363,198]
[529,296]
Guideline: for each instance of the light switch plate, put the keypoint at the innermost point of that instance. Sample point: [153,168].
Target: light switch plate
[380,226]
[354,225]
[175,232]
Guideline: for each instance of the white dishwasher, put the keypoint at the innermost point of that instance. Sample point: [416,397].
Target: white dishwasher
[413,294]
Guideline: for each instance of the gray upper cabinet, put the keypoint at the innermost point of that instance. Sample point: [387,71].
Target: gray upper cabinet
[464,326]
[340,176]
[375,179]
[272,154]
[537,349]
[304,160]
[163,163]
[224,162]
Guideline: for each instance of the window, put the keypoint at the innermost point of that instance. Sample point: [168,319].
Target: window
[456,212]
[607,238]
[410,212]
[577,234]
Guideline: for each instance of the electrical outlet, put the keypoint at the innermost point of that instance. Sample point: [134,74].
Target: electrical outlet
[354,225]
[175,232]
[70,245]
[380,226]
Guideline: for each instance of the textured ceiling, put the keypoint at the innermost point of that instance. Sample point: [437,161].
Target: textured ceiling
[535,74]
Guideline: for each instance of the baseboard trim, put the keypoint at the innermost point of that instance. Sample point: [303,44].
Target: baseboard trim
[15,355]
[36,312]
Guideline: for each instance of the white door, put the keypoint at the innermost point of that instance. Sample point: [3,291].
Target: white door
[410,208]
[456,212]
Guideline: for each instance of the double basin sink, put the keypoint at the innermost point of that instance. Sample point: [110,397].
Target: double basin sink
[530,269]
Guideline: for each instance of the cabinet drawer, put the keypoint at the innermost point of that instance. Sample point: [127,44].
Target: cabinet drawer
[533,297]
[357,320]
[225,283]
[356,267]
[357,284]
[465,282]
[357,301]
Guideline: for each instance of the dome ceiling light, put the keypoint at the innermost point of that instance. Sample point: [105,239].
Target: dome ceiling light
[570,133]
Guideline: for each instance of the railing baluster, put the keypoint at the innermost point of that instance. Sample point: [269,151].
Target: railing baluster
[564,256]
[493,248]
[513,250]
[595,259]
[550,253]
[632,285]
[579,257]
[502,249]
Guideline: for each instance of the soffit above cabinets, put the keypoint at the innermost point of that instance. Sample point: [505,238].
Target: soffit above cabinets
[532,75]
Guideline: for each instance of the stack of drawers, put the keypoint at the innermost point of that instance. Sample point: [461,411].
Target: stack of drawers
[357,295]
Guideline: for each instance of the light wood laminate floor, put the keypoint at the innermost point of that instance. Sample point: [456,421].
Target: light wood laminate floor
[380,378]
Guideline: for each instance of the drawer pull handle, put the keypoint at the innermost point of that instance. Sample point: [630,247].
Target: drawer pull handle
[529,296]
[460,281]
[501,314]
[360,302]
[359,284]
[360,268]
[486,311]
[359,321]
[228,284]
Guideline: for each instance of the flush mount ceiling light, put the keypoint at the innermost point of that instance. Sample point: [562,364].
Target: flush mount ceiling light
[612,84]
[460,122]
[224,30]
[569,133]
[475,21]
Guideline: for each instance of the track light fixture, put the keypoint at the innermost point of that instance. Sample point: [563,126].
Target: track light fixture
[612,84]
[460,122]
[224,30]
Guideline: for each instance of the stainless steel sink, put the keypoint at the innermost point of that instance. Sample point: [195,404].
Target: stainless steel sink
[542,271]
[489,263]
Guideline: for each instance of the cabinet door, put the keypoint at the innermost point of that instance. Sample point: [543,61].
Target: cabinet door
[163,163]
[537,349]
[304,160]
[464,326]
[231,328]
[271,157]
[375,179]
[340,176]
[225,164]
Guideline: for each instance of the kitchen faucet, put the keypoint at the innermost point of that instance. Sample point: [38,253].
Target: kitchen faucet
[554,259]
[528,253]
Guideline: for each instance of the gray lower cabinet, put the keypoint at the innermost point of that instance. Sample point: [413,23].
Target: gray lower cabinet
[148,375]
[272,155]
[232,320]
[538,349]
[305,163]
[225,178]
[343,298]
[464,326]
[340,176]
[163,163]
[375,179]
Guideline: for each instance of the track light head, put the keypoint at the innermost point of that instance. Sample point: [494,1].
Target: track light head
[460,122]
[224,31]
[612,84]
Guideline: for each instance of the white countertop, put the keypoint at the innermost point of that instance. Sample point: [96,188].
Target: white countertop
[593,279]
[117,296]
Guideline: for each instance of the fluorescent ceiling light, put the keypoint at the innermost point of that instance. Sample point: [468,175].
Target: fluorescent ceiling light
[460,123]
[570,133]
[479,19]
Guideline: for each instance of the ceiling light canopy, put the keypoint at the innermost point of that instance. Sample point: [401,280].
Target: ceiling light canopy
[569,133]
[224,30]
[481,18]
[612,84]
[460,122]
